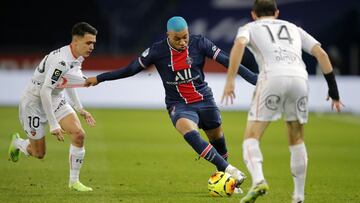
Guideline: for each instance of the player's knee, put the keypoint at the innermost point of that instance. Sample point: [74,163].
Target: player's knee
[38,154]
[79,136]
[295,140]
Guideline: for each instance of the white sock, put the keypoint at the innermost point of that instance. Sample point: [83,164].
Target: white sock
[22,145]
[253,159]
[298,164]
[76,157]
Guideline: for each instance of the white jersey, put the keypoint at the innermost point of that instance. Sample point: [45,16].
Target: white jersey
[277,47]
[51,69]
[42,90]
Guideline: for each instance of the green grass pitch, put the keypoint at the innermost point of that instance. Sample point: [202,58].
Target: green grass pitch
[137,156]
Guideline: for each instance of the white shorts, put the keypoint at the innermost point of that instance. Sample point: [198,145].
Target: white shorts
[33,118]
[277,95]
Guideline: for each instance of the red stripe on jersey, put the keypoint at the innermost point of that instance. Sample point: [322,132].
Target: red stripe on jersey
[187,90]
[178,60]
[189,93]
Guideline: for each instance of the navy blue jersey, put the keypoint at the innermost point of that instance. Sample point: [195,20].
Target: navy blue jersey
[181,71]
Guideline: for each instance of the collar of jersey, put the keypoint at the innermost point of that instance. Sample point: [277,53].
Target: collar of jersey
[80,58]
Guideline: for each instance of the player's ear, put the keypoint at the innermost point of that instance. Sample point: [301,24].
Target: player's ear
[277,12]
[75,38]
[253,15]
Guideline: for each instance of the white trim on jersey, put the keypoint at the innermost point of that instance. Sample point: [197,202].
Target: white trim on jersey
[171,60]
[192,82]
[216,53]
[141,63]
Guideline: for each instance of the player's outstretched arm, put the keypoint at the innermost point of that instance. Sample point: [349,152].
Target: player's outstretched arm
[243,71]
[222,57]
[133,68]
[91,81]
[326,67]
[236,55]
[247,74]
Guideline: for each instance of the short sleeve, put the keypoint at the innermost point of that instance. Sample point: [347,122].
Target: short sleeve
[244,31]
[307,41]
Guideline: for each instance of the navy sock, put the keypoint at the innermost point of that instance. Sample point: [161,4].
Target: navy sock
[205,150]
[220,146]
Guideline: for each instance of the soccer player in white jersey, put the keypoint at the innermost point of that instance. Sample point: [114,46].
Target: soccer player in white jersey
[43,103]
[282,87]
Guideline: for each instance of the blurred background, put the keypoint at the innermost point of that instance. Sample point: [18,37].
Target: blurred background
[126,28]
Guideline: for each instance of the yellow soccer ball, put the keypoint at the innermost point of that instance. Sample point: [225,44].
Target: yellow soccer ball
[221,184]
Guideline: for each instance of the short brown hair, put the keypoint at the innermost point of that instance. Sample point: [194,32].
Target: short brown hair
[264,7]
[81,28]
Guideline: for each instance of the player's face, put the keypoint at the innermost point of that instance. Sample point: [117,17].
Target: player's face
[179,40]
[84,45]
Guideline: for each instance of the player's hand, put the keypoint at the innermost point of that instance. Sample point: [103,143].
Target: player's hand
[91,81]
[58,133]
[337,104]
[88,117]
[229,92]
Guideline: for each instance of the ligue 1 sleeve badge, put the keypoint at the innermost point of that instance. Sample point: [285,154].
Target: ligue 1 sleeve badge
[55,76]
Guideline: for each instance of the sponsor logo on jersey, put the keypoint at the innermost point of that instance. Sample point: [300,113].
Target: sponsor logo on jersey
[285,56]
[272,102]
[62,63]
[61,104]
[182,77]
[302,104]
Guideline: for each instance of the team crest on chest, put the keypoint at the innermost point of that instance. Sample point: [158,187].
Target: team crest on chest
[189,60]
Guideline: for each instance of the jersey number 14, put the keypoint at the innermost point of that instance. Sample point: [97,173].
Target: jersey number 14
[282,34]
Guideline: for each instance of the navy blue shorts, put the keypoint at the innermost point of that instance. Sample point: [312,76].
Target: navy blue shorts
[205,114]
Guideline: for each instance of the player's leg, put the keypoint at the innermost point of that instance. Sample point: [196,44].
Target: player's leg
[72,126]
[298,158]
[33,121]
[29,147]
[37,148]
[252,155]
[253,159]
[205,150]
[217,139]
[266,106]
[210,122]
[192,136]
[296,114]
[185,119]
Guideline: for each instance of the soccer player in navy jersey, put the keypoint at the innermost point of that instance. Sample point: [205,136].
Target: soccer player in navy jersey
[180,60]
